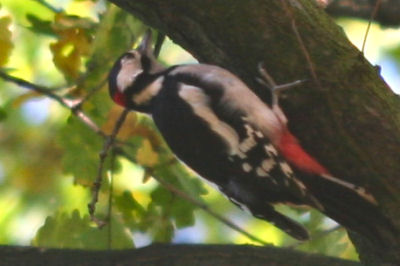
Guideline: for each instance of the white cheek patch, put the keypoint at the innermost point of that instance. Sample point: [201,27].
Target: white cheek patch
[125,78]
[130,69]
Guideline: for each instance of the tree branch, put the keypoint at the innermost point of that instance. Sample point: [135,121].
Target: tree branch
[387,15]
[165,254]
[108,143]
[72,104]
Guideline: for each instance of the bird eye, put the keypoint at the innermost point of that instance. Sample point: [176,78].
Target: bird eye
[129,56]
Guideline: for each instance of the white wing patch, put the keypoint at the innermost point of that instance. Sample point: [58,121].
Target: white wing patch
[270,150]
[249,142]
[200,103]
[247,167]
[261,172]
[238,96]
[259,134]
[268,164]
[287,170]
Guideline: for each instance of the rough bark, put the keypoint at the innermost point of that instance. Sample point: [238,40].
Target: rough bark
[166,255]
[347,117]
[388,13]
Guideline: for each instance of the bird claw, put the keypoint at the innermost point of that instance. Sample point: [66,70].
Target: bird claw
[267,81]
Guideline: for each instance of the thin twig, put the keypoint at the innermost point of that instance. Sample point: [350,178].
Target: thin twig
[88,122]
[303,48]
[110,198]
[71,104]
[378,2]
[34,87]
[93,90]
[103,155]
[207,209]
[193,200]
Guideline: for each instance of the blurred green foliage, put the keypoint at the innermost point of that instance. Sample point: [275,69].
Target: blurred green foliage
[49,158]
[66,230]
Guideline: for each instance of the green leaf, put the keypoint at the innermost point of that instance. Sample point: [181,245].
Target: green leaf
[3,114]
[164,232]
[166,209]
[182,212]
[180,176]
[64,230]
[176,208]
[394,56]
[129,207]
[161,196]
[39,25]
[81,151]
[146,156]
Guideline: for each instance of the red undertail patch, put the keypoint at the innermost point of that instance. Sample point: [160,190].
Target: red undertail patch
[292,151]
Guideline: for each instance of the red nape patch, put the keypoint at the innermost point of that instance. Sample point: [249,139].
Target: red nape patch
[119,98]
[291,150]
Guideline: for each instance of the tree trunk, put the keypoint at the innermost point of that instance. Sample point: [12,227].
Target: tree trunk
[166,255]
[346,116]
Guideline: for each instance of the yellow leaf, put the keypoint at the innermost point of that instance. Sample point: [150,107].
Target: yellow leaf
[145,155]
[73,44]
[6,44]
[128,128]
[23,98]
[145,131]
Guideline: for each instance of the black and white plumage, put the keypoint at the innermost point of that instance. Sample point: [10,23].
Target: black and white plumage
[215,124]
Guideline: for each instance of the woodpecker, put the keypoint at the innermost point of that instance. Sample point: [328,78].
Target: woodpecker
[220,128]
